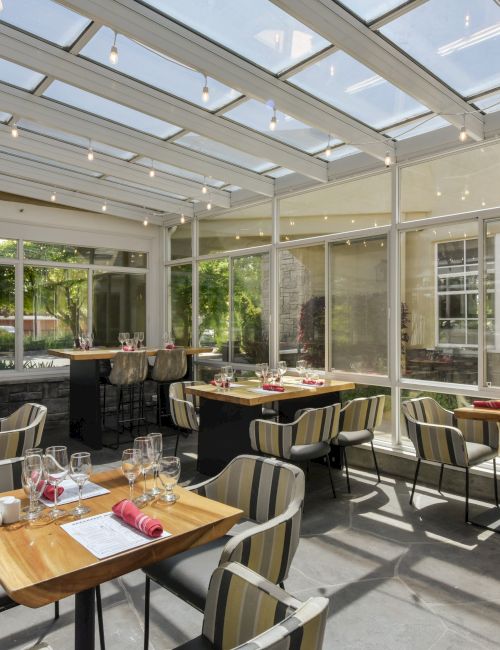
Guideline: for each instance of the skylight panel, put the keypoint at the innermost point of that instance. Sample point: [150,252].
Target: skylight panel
[347,84]
[457,40]
[340,152]
[369,10]
[146,65]
[279,172]
[257,116]
[417,127]
[18,75]
[255,29]
[4,117]
[489,104]
[223,152]
[108,109]
[46,19]
[182,173]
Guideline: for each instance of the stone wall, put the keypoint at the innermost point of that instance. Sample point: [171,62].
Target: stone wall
[294,291]
[52,393]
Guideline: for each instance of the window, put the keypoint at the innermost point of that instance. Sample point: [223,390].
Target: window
[18,75]
[492,302]
[7,317]
[180,241]
[68,253]
[179,295]
[8,248]
[233,229]
[213,320]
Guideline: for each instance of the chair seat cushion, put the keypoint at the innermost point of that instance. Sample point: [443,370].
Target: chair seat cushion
[5,601]
[308,452]
[479,453]
[351,438]
[188,574]
[200,643]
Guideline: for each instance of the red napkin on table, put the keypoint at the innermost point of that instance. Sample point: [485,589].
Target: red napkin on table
[490,404]
[225,385]
[131,515]
[49,492]
[169,346]
[128,348]
[313,382]
[276,389]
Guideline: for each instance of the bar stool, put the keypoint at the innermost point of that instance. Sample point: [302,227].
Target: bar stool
[184,409]
[169,366]
[128,375]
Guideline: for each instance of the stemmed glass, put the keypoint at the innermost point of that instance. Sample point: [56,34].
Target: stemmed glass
[37,506]
[170,470]
[282,367]
[229,372]
[56,469]
[258,371]
[140,339]
[131,468]
[274,376]
[219,382]
[264,372]
[80,469]
[122,337]
[33,479]
[145,446]
[157,440]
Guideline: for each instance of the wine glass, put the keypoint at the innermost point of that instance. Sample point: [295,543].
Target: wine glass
[38,507]
[130,344]
[145,446]
[122,338]
[80,469]
[131,468]
[56,469]
[282,367]
[219,382]
[140,339]
[33,479]
[265,372]
[170,470]
[223,377]
[229,372]
[157,440]
[258,371]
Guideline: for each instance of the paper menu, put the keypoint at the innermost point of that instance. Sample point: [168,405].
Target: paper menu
[70,493]
[105,535]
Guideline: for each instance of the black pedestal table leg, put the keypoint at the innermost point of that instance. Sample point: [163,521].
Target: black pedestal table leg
[85,620]
[85,403]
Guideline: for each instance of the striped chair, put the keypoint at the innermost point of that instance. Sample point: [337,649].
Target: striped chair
[246,612]
[358,419]
[271,494]
[183,408]
[440,438]
[303,440]
[22,430]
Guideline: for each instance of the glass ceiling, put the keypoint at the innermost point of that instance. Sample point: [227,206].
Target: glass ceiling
[257,115]
[417,127]
[345,83]
[46,19]
[108,109]
[18,75]
[279,172]
[176,171]
[258,30]
[340,152]
[489,104]
[457,40]
[368,10]
[5,117]
[142,63]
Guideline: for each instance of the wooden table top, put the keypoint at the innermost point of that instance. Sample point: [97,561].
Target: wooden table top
[244,396]
[474,413]
[41,563]
[109,353]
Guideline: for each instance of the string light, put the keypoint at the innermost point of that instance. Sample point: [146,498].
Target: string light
[90,152]
[204,189]
[209,204]
[274,121]
[145,222]
[463,134]
[183,218]
[387,159]
[439,193]
[205,94]
[13,131]
[53,196]
[152,172]
[113,53]
[328,150]
[104,206]
[467,20]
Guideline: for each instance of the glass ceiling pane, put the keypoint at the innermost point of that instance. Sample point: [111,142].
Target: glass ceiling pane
[417,127]
[108,109]
[5,117]
[340,152]
[457,40]
[98,147]
[46,19]
[51,163]
[368,10]
[144,188]
[347,84]
[257,115]
[17,75]
[212,148]
[279,172]
[182,173]
[257,30]
[489,104]
[149,66]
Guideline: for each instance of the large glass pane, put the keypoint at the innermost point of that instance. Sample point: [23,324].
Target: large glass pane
[55,312]
[143,188]
[73,96]
[57,252]
[180,241]
[349,85]
[213,319]
[460,182]
[251,287]
[112,257]
[7,317]
[302,305]
[5,117]
[18,75]
[492,301]
[258,30]
[362,203]
[368,10]
[8,247]
[359,301]
[383,433]
[142,63]
[119,305]
[46,19]
[233,229]
[439,317]
[489,104]
[179,296]
[417,127]
[458,40]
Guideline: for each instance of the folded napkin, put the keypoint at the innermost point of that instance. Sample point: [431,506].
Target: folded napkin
[276,389]
[128,348]
[169,346]
[225,384]
[49,492]
[313,382]
[490,404]
[131,515]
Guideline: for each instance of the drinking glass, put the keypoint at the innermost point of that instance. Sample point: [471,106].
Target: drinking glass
[258,371]
[56,469]
[157,440]
[274,376]
[218,381]
[33,479]
[170,470]
[282,368]
[145,446]
[301,366]
[265,372]
[122,338]
[34,451]
[80,469]
[131,468]
[229,372]
[130,343]
[223,377]
[140,338]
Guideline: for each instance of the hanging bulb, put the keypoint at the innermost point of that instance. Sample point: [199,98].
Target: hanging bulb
[439,193]
[328,150]
[209,204]
[183,219]
[152,172]
[53,196]
[205,94]
[204,189]
[145,222]
[90,153]
[104,206]
[463,134]
[274,121]
[113,53]
[13,131]
[387,160]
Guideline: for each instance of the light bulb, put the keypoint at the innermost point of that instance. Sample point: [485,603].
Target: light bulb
[466,192]
[90,154]
[14,132]
[328,150]
[467,20]
[205,94]
[183,219]
[152,172]
[274,121]
[483,203]
[53,196]
[204,189]
[439,193]
[463,134]
[237,237]
[145,222]
[113,53]
[104,206]
[387,159]
[209,205]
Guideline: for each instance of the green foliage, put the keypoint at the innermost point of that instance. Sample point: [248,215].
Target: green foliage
[214,298]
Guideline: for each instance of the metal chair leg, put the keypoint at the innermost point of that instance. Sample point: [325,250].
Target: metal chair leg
[441,477]
[330,474]
[344,451]
[415,481]
[375,461]
[146,613]
[495,480]
[100,621]
[56,610]
[466,495]
[177,442]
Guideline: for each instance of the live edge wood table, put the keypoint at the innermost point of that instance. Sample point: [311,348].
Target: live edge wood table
[225,416]
[40,563]
[84,391]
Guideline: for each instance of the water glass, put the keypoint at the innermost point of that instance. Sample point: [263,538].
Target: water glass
[56,470]
[170,470]
[145,446]
[33,479]
[131,468]
[80,469]
[130,344]
[258,371]
[282,368]
[264,371]
[301,367]
[229,372]
[157,440]
[34,451]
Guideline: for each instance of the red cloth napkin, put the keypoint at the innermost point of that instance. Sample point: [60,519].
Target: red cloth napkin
[131,515]
[490,404]
[49,492]
[313,382]
[225,385]
[128,348]
[276,389]
[169,346]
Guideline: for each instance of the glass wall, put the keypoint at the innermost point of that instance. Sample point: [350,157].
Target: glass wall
[7,316]
[180,241]
[213,319]
[179,293]
[492,301]
[234,229]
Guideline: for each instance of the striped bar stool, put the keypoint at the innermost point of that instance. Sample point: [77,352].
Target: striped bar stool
[169,366]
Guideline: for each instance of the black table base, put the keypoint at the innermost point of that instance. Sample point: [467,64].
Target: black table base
[85,620]
[85,403]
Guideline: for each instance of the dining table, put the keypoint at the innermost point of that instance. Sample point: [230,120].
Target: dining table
[40,563]
[226,414]
[84,388]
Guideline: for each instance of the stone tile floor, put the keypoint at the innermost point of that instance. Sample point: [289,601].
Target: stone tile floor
[402,577]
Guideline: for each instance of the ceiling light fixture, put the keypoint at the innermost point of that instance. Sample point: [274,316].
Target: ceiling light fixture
[183,218]
[463,134]
[53,196]
[113,53]
[332,70]
[328,150]
[274,121]
[13,131]
[104,206]
[145,222]
[90,152]
[387,159]
[152,172]
[204,189]
[209,204]
[205,94]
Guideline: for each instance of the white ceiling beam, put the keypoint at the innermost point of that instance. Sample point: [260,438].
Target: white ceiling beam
[48,59]
[70,154]
[354,37]
[72,120]
[172,39]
